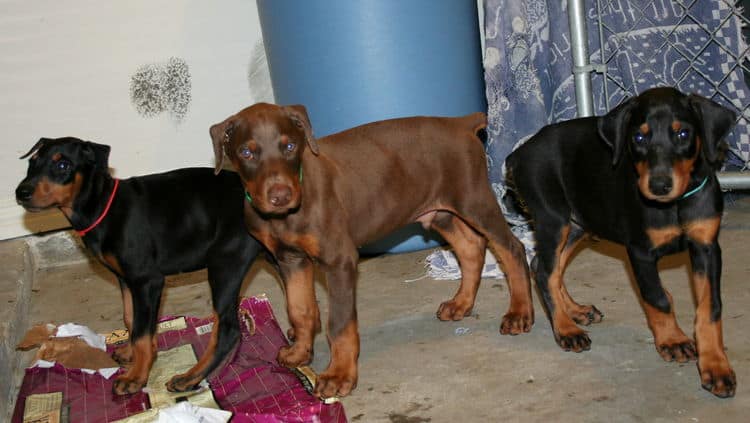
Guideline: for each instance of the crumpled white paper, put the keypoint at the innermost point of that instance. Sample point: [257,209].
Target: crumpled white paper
[87,335]
[185,412]
[92,338]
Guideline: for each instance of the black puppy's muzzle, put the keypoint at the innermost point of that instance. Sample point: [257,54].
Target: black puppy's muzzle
[660,184]
[24,192]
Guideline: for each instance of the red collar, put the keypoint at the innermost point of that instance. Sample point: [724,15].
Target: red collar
[104,213]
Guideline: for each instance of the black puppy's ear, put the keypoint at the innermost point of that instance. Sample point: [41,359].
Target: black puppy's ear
[612,127]
[96,154]
[298,114]
[39,144]
[220,135]
[716,121]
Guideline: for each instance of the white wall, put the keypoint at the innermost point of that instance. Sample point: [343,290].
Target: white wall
[66,67]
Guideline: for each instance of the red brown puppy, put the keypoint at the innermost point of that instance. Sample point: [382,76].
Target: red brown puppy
[315,201]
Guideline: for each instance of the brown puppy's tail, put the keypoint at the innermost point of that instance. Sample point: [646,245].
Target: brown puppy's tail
[475,121]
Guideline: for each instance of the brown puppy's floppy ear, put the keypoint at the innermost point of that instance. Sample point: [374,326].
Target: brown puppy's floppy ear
[298,114]
[716,121]
[39,144]
[612,127]
[96,154]
[220,134]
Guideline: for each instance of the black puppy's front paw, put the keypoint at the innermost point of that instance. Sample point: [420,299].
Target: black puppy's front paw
[183,383]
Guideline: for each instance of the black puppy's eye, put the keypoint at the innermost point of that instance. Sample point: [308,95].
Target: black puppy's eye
[290,147]
[62,165]
[639,137]
[246,153]
[683,135]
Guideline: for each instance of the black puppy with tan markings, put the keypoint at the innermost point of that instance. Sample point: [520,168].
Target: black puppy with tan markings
[142,229]
[642,176]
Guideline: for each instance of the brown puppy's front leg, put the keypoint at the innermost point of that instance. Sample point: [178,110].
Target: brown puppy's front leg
[340,378]
[302,309]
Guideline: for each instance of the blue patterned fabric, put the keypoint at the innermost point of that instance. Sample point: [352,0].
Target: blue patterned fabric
[528,62]
[647,43]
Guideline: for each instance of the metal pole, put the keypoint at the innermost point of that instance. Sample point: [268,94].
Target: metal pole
[734,180]
[581,66]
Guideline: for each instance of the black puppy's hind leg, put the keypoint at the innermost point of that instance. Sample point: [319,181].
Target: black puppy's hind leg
[225,278]
[581,314]
[554,249]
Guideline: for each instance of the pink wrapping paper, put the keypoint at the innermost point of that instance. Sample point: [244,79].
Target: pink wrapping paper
[251,385]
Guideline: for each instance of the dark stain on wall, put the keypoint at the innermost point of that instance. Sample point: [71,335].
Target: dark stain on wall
[162,87]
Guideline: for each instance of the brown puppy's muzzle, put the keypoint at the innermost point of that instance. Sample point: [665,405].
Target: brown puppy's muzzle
[277,195]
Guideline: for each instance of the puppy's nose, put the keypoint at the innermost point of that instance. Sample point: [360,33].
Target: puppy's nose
[660,185]
[24,192]
[279,195]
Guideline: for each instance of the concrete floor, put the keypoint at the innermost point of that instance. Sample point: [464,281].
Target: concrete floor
[415,369]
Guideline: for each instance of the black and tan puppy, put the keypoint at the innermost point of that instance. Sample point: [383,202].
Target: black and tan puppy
[642,176]
[144,228]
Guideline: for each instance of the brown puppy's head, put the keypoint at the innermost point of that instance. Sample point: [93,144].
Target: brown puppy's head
[264,143]
[666,134]
[57,171]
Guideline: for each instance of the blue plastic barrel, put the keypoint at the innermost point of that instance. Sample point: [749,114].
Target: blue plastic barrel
[356,61]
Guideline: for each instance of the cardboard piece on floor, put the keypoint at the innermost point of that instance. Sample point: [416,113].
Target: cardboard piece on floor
[70,352]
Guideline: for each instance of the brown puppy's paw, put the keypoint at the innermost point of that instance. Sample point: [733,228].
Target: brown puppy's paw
[183,383]
[123,354]
[453,310]
[516,323]
[718,378]
[332,383]
[680,351]
[587,315]
[575,341]
[294,356]
[125,385]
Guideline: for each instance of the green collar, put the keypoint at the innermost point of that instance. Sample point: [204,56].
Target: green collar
[696,189]
[250,199]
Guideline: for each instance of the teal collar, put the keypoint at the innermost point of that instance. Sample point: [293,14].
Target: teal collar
[696,189]
[250,199]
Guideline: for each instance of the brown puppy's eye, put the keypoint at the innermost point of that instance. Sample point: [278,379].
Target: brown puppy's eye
[290,147]
[246,153]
